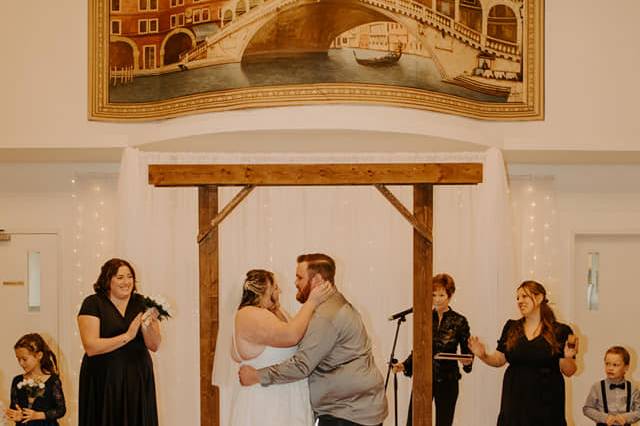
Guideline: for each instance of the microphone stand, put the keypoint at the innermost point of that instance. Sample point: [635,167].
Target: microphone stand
[393,360]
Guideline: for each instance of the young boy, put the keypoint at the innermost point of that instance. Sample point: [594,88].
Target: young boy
[614,400]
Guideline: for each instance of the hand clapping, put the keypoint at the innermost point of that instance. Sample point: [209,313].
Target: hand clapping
[132,331]
[149,316]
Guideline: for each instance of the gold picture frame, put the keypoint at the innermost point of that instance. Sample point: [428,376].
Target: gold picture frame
[470,64]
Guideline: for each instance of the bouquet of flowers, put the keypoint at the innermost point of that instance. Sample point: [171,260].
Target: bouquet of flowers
[33,388]
[160,304]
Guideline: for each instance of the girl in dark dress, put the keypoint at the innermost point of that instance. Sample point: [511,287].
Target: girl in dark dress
[36,395]
[117,386]
[539,351]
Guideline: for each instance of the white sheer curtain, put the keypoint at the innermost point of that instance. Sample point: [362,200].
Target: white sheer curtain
[156,232]
[92,210]
[473,242]
[370,241]
[533,201]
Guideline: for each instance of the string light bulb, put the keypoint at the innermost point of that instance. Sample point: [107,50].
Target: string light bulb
[533,203]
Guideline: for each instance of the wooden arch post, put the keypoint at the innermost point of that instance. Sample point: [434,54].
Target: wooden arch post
[422,176]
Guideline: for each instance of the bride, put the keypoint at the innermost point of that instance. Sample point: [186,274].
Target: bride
[264,334]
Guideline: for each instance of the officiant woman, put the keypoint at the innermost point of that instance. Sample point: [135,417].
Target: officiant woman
[540,351]
[450,330]
[117,386]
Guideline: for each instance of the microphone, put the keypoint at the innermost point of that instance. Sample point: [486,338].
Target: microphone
[401,314]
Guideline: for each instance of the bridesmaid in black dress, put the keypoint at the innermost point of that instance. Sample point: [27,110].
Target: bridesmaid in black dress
[539,351]
[117,387]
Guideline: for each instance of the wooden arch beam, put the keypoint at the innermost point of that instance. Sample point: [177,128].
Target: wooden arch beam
[422,176]
[314,174]
[225,212]
[418,226]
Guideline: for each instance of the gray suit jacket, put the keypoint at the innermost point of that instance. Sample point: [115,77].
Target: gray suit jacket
[335,354]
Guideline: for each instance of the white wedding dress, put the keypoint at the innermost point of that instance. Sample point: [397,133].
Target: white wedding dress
[275,405]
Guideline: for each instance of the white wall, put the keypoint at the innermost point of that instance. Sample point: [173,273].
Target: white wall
[591,89]
[40,198]
[588,200]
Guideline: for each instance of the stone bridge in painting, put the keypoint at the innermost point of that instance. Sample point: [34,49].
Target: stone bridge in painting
[286,27]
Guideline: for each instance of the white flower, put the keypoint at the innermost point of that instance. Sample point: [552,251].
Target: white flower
[41,385]
[162,301]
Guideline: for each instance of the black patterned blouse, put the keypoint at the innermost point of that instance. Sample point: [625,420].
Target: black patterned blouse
[451,332]
[51,403]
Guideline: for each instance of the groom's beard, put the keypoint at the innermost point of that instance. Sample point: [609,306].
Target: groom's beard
[303,294]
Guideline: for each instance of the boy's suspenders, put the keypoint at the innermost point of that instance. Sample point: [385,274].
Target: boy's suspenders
[603,389]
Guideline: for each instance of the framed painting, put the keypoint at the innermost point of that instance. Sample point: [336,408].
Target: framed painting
[152,59]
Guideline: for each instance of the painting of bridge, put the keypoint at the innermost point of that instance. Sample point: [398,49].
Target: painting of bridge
[161,58]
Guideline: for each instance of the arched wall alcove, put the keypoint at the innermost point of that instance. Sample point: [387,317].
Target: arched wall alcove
[310,140]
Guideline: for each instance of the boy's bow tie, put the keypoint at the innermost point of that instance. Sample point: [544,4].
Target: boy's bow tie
[614,386]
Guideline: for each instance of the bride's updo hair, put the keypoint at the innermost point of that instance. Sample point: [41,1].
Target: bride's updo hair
[255,286]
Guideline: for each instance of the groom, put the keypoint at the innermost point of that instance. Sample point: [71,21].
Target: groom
[345,386]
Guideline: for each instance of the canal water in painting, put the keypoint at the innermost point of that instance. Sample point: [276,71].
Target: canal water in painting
[338,66]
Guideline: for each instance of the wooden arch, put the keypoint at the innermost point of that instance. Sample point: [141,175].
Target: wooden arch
[422,176]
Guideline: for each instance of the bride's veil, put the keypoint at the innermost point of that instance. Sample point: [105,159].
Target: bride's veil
[225,369]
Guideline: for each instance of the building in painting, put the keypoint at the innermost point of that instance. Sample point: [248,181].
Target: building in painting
[383,36]
[476,44]
[146,35]
[494,26]
[158,36]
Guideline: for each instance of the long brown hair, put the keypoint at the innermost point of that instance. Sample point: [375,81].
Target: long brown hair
[547,318]
[34,343]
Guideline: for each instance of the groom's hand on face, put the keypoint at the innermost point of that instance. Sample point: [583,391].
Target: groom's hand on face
[248,375]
